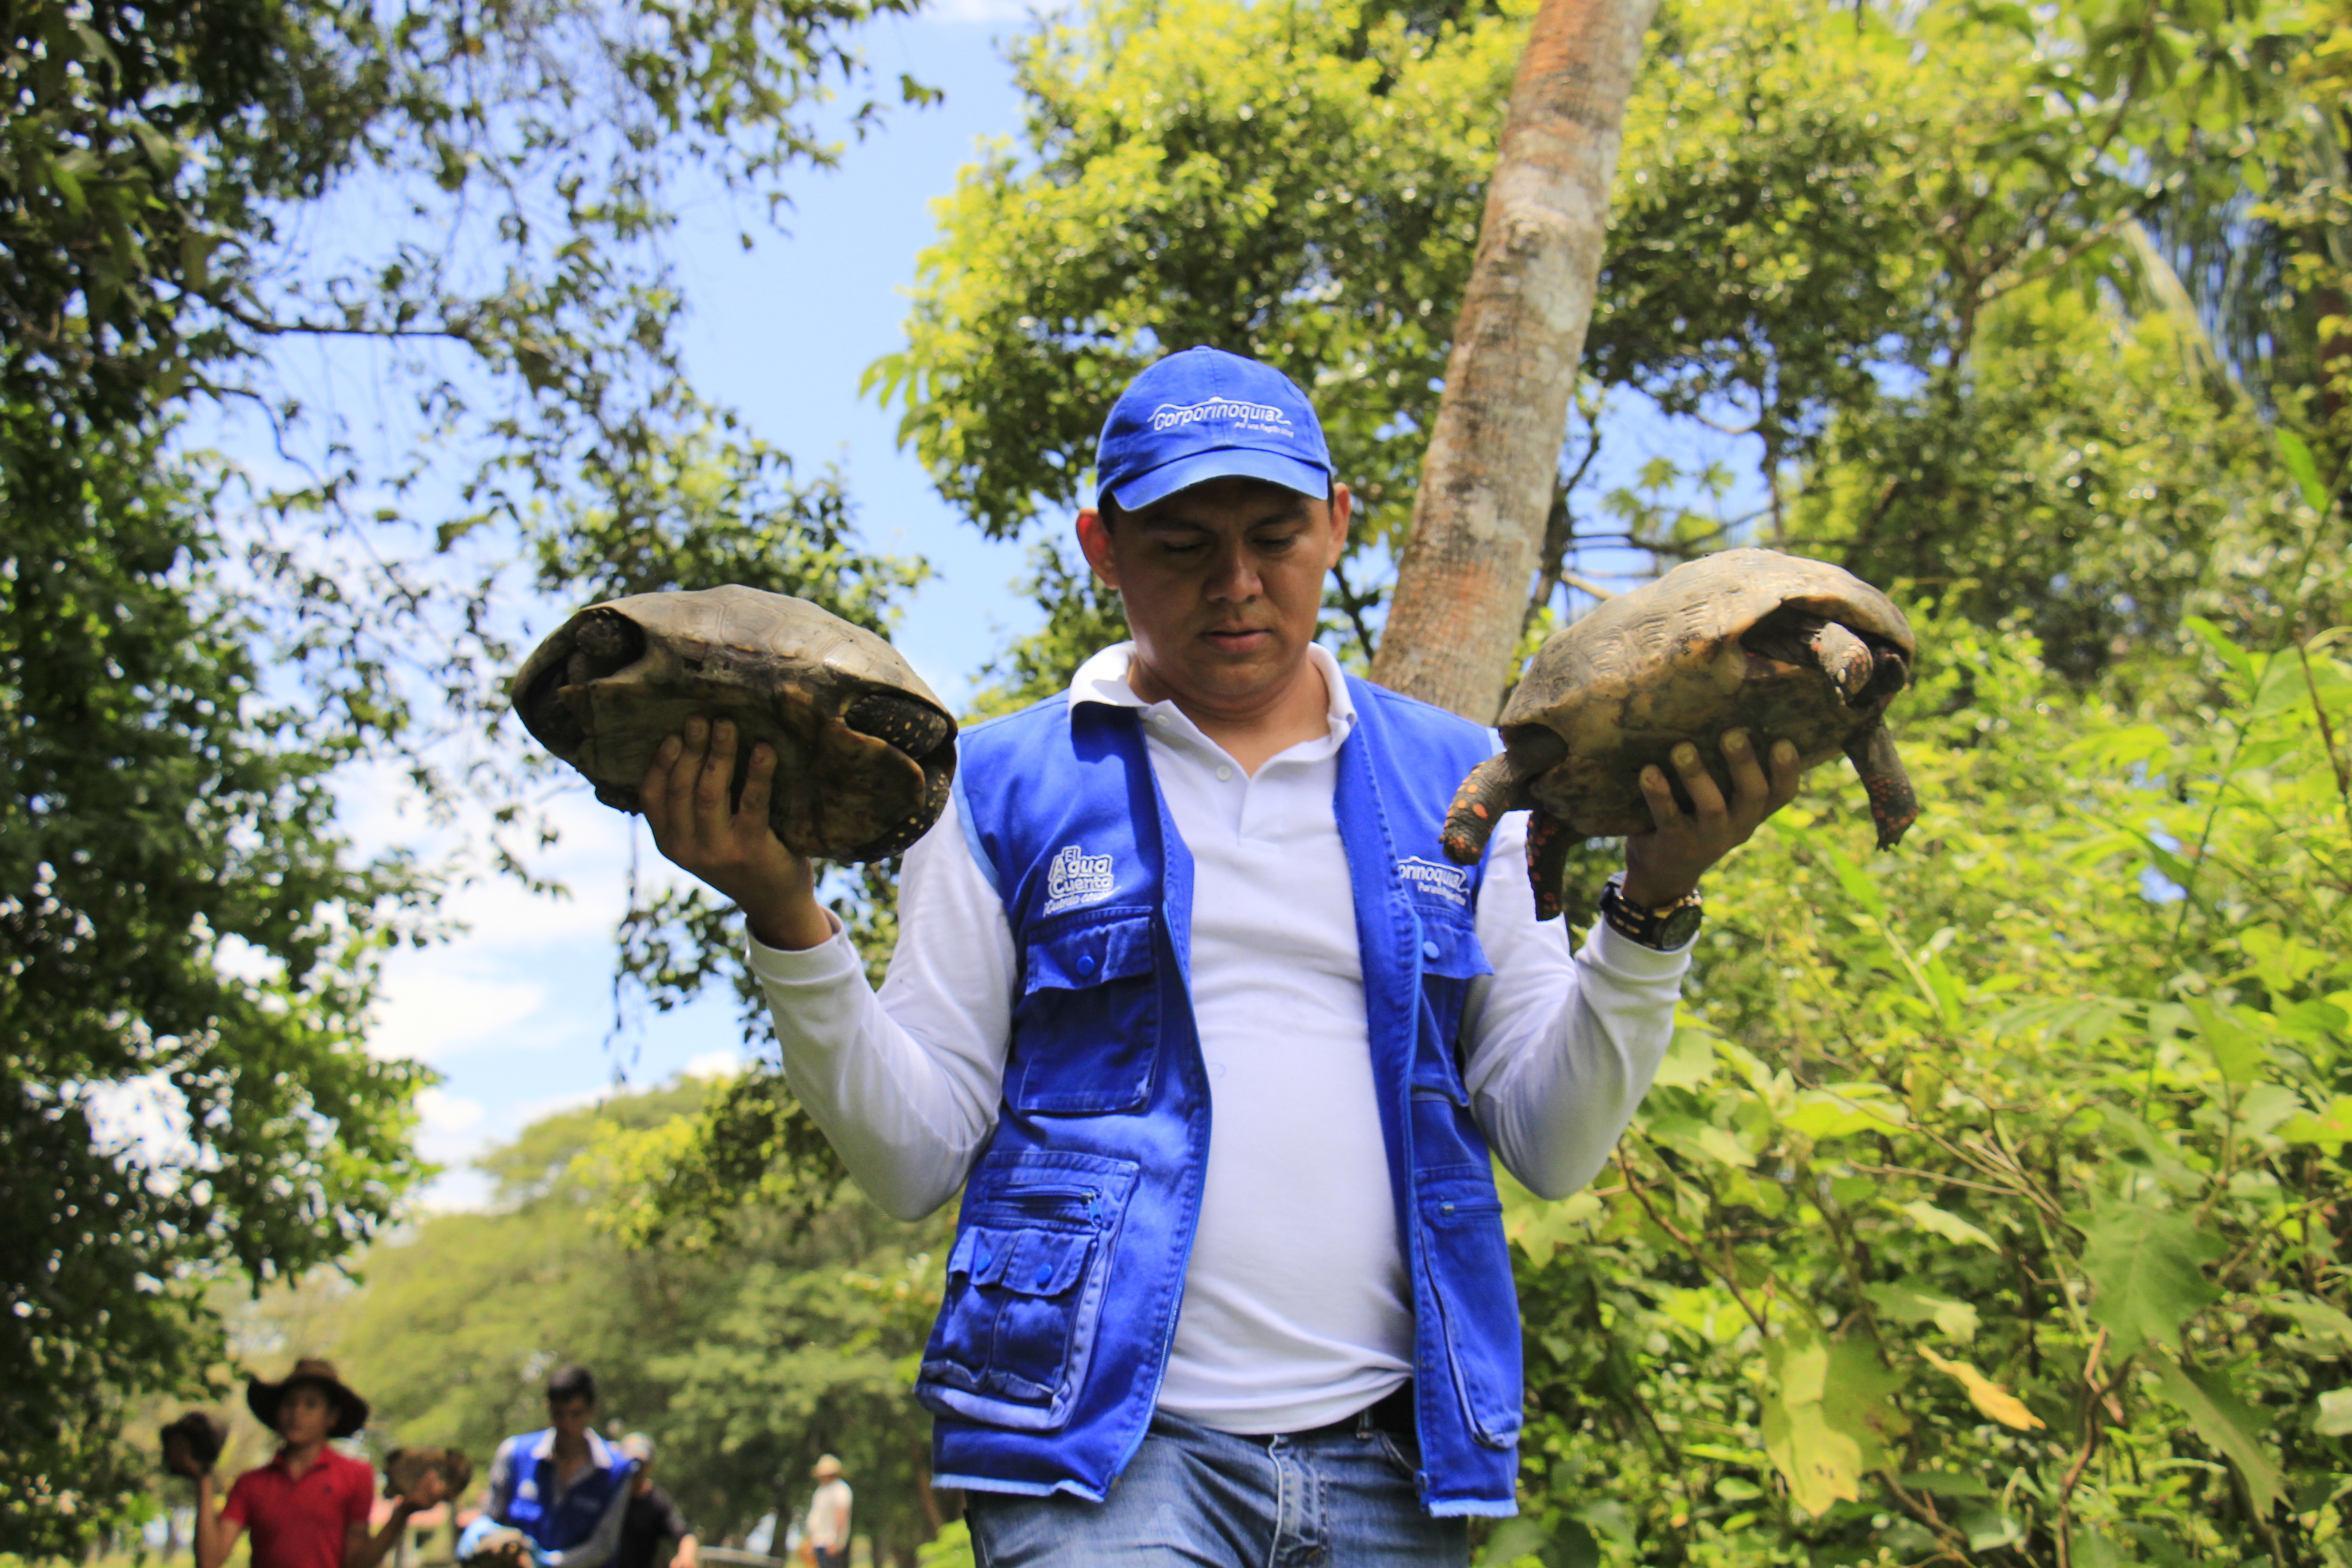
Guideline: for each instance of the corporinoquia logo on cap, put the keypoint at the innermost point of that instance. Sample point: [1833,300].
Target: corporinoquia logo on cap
[1263,417]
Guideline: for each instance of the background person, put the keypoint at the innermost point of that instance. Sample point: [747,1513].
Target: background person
[565,1489]
[309,1506]
[1211,875]
[828,1514]
[652,1517]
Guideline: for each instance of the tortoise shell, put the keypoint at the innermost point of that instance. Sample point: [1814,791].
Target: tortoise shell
[404,1470]
[864,752]
[1784,648]
[193,1444]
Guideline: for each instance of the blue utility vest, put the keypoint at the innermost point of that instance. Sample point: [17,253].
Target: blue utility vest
[524,1503]
[1067,1270]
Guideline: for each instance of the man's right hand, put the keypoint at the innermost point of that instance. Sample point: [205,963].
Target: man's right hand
[684,797]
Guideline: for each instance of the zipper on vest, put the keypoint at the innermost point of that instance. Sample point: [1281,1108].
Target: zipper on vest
[1051,1203]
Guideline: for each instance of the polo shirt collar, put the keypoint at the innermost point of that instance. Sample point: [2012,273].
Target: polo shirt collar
[1103,679]
[599,1454]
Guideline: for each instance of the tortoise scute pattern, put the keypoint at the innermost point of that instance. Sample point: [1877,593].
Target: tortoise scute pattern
[404,1470]
[1787,648]
[864,752]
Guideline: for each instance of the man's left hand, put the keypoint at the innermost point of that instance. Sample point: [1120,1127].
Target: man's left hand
[1665,864]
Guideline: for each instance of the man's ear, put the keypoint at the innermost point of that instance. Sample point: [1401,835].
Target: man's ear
[1094,539]
[1343,508]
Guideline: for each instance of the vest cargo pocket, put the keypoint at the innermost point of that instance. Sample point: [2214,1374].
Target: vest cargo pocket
[1086,1032]
[1024,1289]
[1466,1263]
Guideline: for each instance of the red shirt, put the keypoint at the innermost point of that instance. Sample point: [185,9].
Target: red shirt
[299,1522]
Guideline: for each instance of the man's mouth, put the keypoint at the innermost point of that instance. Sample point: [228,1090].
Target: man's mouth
[1237,639]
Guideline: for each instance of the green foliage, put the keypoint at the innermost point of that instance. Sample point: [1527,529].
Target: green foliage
[791,1335]
[183,927]
[1986,1204]
[185,655]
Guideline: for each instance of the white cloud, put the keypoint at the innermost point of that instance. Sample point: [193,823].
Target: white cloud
[430,1012]
[716,1064]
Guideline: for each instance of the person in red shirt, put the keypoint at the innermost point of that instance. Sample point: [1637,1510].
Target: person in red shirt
[308,1508]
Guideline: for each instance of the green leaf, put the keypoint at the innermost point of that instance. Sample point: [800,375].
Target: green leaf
[2334,1418]
[2297,457]
[1702,1141]
[2232,1427]
[2330,1129]
[1904,1303]
[1690,1059]
[2315,1318]
[1856,881]
[1843,1109]
[1826,1419]
[1948,1225]
[2144,1266]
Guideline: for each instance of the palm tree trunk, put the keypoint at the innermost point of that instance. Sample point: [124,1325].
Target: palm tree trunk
[1493,456]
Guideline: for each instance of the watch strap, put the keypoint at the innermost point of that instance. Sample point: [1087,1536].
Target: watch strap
[1663,930]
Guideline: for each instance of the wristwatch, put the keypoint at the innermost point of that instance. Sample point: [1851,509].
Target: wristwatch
[1664,929]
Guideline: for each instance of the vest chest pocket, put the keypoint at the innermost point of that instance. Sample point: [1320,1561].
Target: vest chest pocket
[1024,1291]
[1085,1033]
[1451,959]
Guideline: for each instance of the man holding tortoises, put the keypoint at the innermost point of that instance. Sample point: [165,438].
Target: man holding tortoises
[1192,1004]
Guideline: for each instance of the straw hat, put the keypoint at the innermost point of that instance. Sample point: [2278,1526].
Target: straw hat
[826,1469]
[263,1398]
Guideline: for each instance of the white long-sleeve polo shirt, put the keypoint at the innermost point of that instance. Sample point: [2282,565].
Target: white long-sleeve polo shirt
[1297,1309]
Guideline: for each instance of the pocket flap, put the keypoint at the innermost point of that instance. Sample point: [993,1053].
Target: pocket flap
[1085,956]
[1449,945]
[1048,1262]
[983,1254]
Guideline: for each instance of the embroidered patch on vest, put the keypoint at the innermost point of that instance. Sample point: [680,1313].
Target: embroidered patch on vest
[1076,879]
[1451,883]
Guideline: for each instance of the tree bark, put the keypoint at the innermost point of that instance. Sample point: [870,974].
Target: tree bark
[1493,456]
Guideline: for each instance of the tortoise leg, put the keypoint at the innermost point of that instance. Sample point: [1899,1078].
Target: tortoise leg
[915,727]
[1549,842]
[1495,786]
[1892,806]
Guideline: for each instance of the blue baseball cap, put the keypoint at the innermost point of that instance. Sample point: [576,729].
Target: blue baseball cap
[1205,415]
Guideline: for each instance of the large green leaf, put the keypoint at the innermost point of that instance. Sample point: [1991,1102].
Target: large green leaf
[2231,1424]
[2145,1266]
[1826,1419]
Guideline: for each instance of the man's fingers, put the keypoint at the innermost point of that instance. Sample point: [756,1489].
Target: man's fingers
[1663,812]
[684,771]
[1706,800]
[1786,771]
[710,807]
[653,790]
[756,784]
[1748,785]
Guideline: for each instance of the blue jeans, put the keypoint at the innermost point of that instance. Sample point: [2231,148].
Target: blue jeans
[1336,1498]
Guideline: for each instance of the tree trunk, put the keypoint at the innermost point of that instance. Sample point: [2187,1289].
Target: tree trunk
[1493,456]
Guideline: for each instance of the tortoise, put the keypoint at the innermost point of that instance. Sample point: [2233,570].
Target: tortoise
[1786,647]
[505,1547]
[404,1470]
[193,1444]
[865,752]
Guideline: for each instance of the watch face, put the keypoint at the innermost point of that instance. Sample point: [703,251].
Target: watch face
[1680,926]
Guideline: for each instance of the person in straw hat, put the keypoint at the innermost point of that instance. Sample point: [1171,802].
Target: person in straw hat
[828,1515]
[307,1507]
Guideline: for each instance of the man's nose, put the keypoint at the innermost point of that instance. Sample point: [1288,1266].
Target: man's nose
[1233,577]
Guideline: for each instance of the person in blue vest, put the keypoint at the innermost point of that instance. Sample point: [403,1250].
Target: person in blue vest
[1191,1005]
[564,1490]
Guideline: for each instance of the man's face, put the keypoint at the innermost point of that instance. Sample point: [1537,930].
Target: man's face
[643,1481]
[305,1414]
[570,1417]
[1222,583]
